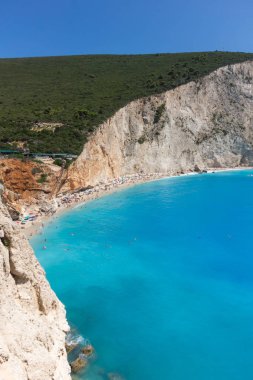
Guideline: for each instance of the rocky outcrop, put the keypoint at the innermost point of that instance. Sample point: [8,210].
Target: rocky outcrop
[27,183]
[200,125]
[32,320]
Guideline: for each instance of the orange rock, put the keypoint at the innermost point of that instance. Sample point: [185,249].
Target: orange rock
[21,181]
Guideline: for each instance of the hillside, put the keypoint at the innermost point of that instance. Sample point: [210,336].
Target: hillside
[195,127]
[54,103]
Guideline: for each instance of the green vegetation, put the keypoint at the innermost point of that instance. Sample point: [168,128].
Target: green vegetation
[69,162]
[58,162]
[142,139]
[43,178]
[6,241]
[36,170]
[63,163]
[158,113]
[82,91]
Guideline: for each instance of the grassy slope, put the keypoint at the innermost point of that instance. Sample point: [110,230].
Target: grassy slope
[82,91]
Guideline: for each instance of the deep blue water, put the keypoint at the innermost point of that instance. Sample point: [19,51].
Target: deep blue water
[159,277]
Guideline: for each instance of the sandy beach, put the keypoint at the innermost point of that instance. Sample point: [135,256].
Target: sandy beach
[65,202]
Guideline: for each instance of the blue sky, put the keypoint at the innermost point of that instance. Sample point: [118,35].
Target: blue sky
[54,27]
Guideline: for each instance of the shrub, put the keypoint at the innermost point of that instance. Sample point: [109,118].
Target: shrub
[58,162]
[6,241]
[141,140]
[158,113]
[36,170]
[42,178]
[69,162]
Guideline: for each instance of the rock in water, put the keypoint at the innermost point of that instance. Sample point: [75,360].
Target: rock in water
[88,350]
[78,364]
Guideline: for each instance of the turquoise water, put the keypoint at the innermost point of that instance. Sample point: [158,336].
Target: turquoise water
[159,278]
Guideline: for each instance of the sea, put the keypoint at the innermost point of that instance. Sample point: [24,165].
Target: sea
[159,278]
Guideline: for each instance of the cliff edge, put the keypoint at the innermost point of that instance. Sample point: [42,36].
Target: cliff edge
[204,124]
[32,319]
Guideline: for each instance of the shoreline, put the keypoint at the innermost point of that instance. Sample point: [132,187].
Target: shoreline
[38,225]
[66,202]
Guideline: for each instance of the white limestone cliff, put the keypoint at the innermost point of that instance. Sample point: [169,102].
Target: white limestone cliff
[32,320]
[203,124]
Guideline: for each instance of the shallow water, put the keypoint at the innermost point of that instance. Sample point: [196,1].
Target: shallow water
[159,278]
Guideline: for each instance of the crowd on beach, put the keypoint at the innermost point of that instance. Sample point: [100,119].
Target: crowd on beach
[94,192]
[68,200]
[34,215]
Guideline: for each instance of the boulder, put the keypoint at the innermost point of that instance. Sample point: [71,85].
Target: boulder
[78,364]
[88,350]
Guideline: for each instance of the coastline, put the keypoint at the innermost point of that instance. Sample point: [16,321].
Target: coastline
[38,225]
[66,202]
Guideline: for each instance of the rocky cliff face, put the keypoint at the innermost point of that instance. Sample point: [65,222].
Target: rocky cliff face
[28,183]
[32,320]
[203,124]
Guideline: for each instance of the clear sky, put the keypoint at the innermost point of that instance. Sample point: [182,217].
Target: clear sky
[62,27]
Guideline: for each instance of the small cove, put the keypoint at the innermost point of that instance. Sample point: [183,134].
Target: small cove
[159,277]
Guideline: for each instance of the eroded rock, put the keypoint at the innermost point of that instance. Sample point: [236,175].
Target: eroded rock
[32,320]
[88,350]
[79,363]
